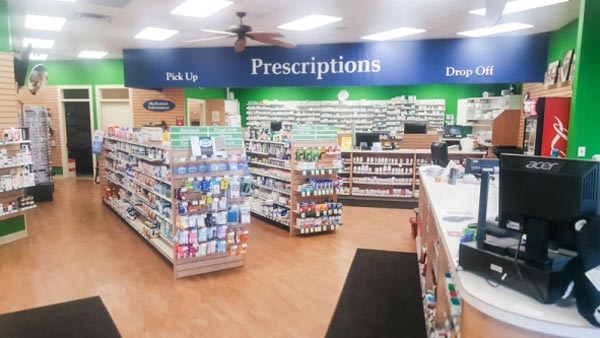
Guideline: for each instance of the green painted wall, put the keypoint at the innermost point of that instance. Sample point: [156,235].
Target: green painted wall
[4,28]
[449,92]
[85,72]
[562,40]
[12,225]
[585,119]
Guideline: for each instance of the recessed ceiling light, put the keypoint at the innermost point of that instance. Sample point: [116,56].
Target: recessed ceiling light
[38,56]
[503,28]
[46,23]
[521,5]
[393,34]
[201,8]
[155,34]
[91,54]
[309,22]
[38,43]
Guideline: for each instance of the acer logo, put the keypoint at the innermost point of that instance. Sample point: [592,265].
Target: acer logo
[539,165]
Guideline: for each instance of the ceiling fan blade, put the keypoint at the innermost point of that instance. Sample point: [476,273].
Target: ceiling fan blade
[240,45]
[209,39]
[493,11]
[271,41]
[253,35]
[218,32]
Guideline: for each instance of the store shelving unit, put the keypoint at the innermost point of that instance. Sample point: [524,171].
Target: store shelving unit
[15,169]
[282,189]
[152,187]
[271,196]
[348,116]
[386,178]
[38,122]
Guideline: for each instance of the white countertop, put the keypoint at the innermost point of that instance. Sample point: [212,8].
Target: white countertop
[500,302]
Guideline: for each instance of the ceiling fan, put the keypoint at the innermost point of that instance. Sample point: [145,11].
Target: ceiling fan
[242,32]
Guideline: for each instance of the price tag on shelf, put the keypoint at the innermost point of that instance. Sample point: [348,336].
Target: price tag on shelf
[318,229]
[303,215]
[318,213]
[303,172]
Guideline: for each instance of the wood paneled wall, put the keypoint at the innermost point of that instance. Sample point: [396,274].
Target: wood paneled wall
[46,97]
[557,90]
[9,116]
[142,116]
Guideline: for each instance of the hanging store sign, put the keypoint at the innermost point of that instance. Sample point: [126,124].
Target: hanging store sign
[489,60]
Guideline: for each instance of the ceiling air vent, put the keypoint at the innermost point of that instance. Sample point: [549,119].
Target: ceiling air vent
[92,17]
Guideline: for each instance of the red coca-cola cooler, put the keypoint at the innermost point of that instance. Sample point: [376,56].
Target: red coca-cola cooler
[546,126]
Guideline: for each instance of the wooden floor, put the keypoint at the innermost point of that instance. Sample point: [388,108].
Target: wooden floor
[289,287]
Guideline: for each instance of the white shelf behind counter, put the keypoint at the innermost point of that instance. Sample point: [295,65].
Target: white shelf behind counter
[499,303]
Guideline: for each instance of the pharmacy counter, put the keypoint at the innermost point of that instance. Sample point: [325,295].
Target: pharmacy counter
[486,309]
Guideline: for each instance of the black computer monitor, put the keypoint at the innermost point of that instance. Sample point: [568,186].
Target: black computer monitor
[544,197]
[439,153]
[415,128]
[367,138]
[275,125]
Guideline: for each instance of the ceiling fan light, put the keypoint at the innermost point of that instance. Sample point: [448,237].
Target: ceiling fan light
[201,8]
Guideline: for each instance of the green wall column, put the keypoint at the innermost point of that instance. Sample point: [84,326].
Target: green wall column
[584,122]
[4,28]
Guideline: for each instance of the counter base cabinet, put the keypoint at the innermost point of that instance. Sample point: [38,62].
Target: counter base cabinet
[445,309]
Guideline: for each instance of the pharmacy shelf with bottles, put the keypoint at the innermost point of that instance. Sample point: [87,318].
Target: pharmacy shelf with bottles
[387,175]
[190,207]
[357,115]
[295,180]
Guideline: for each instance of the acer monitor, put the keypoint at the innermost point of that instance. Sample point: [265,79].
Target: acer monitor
[544,198]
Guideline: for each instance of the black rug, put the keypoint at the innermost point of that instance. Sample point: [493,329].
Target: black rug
[381,298]
[81,318]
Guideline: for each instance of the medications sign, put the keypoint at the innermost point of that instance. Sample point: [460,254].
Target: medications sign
[514,59]
[314,133]
[159,106]
[181,136]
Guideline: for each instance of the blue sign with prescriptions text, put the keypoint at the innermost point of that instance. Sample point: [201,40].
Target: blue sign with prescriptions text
[515,59]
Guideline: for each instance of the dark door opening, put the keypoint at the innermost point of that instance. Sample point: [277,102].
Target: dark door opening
[79,136]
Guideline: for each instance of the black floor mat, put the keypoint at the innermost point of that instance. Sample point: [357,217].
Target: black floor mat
[381,298]
[81,318]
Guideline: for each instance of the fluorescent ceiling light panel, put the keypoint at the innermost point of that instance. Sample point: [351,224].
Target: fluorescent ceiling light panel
[521,5]
[393,34]
[67,0]
[498,29]
[45,23]
[38,56]
[155,34]
[38,43]
[201,8]
[91,54]
[310,22]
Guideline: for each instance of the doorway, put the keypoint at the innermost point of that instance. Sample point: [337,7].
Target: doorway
[77,117]
[114,106]
[196,112]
